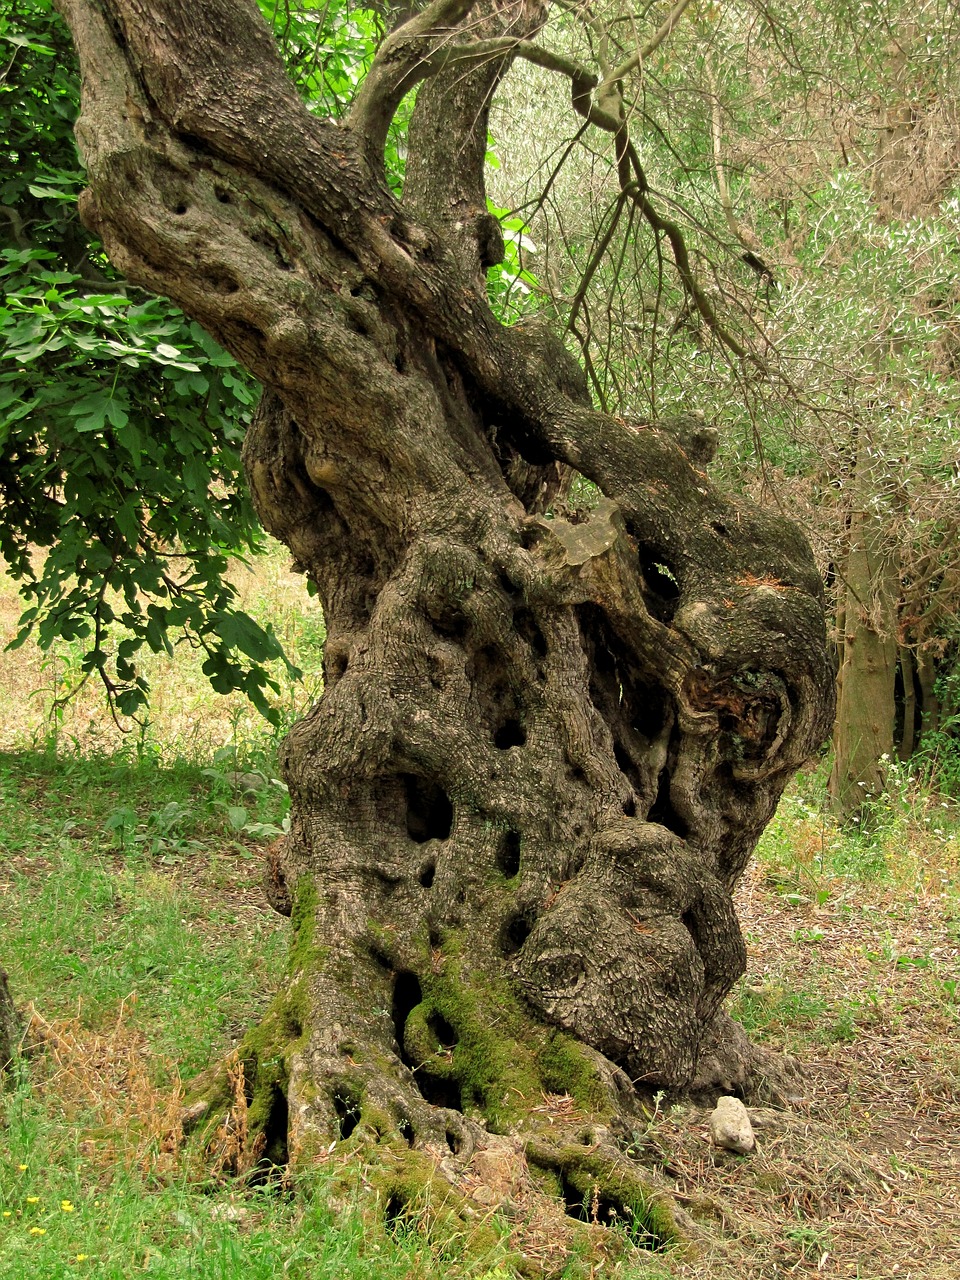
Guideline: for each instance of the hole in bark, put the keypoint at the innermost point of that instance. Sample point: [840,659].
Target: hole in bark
[394,1211]
[180,209]
[662,584]
[439,1091]
[407,994]
[427,873]
[662,810]
[649,710]
[508,855]
[221,282]
[630,807]
[380,958]
[454,1142]
[688,920]
[453,627]
[429,810]
[507,584]
[510,734]
[406,1131]
[516,930]
[719,527]
[608,1211]
[223,195]
[275,1134]
[441,1028]
[576,774]
[348,1114]
[434,938]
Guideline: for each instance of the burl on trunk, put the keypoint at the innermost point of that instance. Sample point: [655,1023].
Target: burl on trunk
[549,738]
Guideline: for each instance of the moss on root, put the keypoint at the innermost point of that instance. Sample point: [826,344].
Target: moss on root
[602,1190]
[304,955]
[501,1058]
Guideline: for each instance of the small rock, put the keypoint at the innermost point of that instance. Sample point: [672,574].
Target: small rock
[730,1126]
[229,1213]
[485,1195]
[248,782]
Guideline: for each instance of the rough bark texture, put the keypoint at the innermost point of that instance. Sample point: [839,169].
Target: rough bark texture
[548,740]
[10,1027]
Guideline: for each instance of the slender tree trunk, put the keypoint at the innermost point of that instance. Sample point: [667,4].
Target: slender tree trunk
[908,737]
[546,748]
[10,1028]
[930,703]
[866,709]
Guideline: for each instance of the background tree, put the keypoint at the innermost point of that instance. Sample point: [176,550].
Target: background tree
[814,183]
[549,740]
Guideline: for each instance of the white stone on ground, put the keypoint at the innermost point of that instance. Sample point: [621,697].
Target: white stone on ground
[730,1126]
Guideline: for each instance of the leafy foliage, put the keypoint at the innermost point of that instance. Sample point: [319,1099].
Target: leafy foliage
[120,422]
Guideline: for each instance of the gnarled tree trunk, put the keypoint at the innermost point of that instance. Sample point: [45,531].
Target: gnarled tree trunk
[548,739]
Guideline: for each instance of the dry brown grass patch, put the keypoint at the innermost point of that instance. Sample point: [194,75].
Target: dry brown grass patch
[105,1084]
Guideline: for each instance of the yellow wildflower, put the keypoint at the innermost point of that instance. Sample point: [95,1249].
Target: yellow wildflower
[7,1213]
[66,1206]
[38,1231]
[33,1199]
[82,1257]
[22,1168]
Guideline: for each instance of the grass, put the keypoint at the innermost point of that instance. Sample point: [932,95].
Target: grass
[132,918]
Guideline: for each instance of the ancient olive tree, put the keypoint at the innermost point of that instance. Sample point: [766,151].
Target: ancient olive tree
[549,737]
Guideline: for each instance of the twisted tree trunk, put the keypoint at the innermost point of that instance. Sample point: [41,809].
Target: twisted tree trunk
[548,740]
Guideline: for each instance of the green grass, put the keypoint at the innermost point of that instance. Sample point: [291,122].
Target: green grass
[88,919]
[60,1221]
[153,938]
[131,915]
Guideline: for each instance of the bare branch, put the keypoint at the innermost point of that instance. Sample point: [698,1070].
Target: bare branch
[654,43]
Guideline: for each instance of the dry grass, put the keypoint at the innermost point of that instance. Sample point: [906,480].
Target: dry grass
[184,715]
[861,1179]
[128,1117]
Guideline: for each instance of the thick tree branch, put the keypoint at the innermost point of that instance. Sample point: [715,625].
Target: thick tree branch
[403,60]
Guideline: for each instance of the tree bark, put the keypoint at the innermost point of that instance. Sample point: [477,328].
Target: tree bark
[548,741]
[866,708]
[930,703]
[908,737]
[10,1028]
